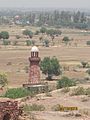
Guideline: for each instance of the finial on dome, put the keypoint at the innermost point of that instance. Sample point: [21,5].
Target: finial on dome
[34,49]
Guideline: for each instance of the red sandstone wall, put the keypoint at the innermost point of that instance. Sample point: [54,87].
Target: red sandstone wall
[9,107]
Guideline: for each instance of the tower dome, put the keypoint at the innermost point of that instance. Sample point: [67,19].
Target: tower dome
[34,49]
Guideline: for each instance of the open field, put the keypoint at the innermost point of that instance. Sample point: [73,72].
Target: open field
[18,56]
[14,60]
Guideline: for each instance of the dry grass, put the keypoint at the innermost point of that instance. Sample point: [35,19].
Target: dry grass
[17,56]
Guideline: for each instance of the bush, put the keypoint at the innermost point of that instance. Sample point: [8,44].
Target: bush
[65,82]
[48,94]
[3,79]
[6,42]
[78,91]
[88,71]
[66,40]
[87,91]
[17,93]
[28,42]
[18,37]
[88,43]
[81,91]
[56,107]
[65,90]
[84,64]
[15,43]
[26,69]
[33,107]
[37,32]
[46,42]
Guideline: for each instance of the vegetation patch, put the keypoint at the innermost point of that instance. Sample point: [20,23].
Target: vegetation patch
[65,82]
[65,90]
[81,91]
[17,93]
[33,107]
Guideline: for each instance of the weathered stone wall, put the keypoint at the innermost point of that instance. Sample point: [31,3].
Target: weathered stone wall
[9,110]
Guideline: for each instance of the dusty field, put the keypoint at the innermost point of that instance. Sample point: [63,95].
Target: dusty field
[18,56]
[14,59]
[58,97]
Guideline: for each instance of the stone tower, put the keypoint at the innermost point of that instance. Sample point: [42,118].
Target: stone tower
[34,72]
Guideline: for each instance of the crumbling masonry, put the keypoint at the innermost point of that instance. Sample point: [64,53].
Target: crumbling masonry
[9,110]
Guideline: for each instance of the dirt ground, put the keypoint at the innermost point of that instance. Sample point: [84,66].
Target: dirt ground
[65,100]
[18,59]
[14,59]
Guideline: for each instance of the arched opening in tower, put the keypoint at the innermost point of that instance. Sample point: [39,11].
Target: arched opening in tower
[7,117]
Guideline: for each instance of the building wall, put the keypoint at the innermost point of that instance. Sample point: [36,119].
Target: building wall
[10,108]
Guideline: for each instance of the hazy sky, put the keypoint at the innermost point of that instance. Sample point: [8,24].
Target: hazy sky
[46,3]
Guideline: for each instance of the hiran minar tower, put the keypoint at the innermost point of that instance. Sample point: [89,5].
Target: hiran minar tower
[34,72]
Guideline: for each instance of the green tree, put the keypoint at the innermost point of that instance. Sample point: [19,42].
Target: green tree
[43,30]
[6,42]
[28,42]
[46,43]
[88,43]
[3,79]
[28,33]
[66,40]
[50,67]
[4,35]
[84,63]
[37,32]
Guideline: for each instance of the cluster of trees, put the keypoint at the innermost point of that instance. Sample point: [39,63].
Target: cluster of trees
[4,35]
[54,18]
[58,19]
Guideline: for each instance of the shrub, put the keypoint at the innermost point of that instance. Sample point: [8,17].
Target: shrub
[56,107]
[65,90]
[26,69]
[65,82]
[33,107]
[78,91]
[28,42]
[84,111]
[66,40]
[3,79]
[84,99]
[18,37]
[15,43]
[81,91]
[37,32]
[17,93]
[88,71]
[33,42]
[88,43]
[84,63]
[87,91]
[46,42]
[6,42]
[9,63]
[48,94]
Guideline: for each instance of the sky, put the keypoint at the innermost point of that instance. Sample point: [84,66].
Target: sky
[46,3]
